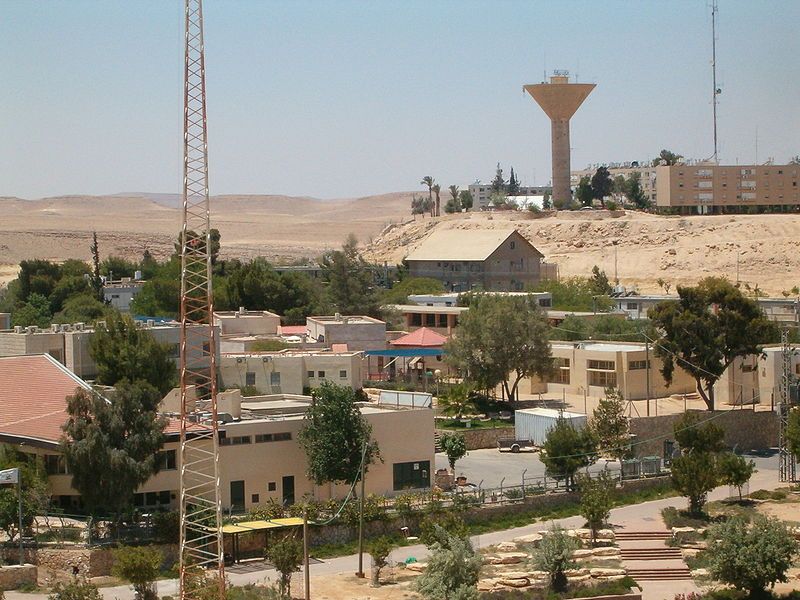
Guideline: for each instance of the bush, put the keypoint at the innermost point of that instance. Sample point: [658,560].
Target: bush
[271,509]
[76,589]
[252,591]
[596,501]
[612,205]
[554,555]
[141,566]
[448,521]
[167,526]
[453,568]
[735,471]
[379,549]
[751,558]
[286,555]
[694,475]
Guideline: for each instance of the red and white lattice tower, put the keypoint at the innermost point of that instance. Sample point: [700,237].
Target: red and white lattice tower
[200,506]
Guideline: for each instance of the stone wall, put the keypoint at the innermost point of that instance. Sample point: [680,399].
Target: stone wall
[477,439]
[744,429]
[13,577]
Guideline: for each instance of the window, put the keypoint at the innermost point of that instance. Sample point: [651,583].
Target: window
[152,499]
[748,368]
[561,375]
[632,306]
[545,302]
[635,365]
[272,486]
[237,440]
[254,498]
[310,374]
[174,350]
[342,374]
[56,464]
[250,378]
[513,245]
[166,460]
[606,365]
[411,475]
[275,379]
[603,378]
[273,437]
[321,374]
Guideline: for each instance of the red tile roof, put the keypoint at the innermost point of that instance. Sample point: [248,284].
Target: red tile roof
[293,329]
[33,392]
[421,338]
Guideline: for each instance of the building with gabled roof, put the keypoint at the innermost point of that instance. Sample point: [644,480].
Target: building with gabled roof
[477,259]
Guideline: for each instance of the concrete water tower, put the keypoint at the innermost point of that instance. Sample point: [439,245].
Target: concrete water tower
[560,99]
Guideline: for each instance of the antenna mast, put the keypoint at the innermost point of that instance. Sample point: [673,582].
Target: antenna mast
[714,71]
[201,550]
[786,465]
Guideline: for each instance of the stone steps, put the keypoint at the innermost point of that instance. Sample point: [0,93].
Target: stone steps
[664,553]
[676,574]
[625,536]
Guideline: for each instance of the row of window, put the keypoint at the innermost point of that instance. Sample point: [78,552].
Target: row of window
[321,374]
[239,440]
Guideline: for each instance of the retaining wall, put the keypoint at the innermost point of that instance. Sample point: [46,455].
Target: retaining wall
[13,577]
[476,439]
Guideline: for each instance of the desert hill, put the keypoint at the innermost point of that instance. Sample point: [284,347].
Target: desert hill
[678,250]
[279,227]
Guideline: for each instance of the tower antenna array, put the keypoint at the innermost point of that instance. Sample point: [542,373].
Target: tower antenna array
[786,459]
[201,547]
[717,91]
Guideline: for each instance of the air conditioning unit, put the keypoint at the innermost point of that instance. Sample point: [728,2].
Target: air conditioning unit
[266,359]
[78,326]
[239,359]
[31,329]
[100,325]
[18,328]
[54,327]
[65,327]
[151,322]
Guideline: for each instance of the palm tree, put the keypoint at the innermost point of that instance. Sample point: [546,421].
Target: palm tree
[436,189]
[428,180]
[458,400]
[454,195]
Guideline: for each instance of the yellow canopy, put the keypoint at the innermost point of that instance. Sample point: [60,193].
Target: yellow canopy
[249,526]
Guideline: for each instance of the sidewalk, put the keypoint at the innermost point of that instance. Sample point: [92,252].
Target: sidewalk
[635,517]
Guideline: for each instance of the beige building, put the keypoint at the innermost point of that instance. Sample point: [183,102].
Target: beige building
[247,322]
[591,367]
[478,259]
[290,371]
[69,344]
[756,379]
[259,454]
[704,188]
[121,293]
[647,175]
[354,332]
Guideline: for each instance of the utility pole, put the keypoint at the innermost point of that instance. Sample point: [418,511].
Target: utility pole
[360,572]
[201,541]
[307,581]
[716,90]
[647,371]
[786,458]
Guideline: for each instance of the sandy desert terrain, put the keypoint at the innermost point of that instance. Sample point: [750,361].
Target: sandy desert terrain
[679,250]
[648,247]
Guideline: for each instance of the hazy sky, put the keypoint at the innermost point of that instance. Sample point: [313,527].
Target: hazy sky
[341,99]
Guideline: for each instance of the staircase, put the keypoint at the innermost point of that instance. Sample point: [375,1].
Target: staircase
[664,563]
[642,536]
[676,574]
[653,554]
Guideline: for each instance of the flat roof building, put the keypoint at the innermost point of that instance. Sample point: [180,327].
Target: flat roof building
[544,299]
[349,332]
[121,293]
[247,322]
[481,193]
[645,170]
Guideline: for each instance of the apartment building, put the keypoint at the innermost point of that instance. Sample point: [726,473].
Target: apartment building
[481,193]
[350,332]
[703,188]
[290,371]
[543,299]
[478,259]
[260,458]
[646,172]
[69,344]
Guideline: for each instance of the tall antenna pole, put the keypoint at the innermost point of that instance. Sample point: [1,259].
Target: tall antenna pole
[714,71]
[201,549]
[786,466]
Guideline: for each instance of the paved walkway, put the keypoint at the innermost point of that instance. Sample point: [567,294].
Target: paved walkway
[635,517]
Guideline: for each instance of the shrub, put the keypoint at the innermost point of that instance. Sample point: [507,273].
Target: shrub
[735,470]
[596,501]
[167,526]
[751,558]
[252,591]
[554,555]
[612,205]
[404,504]
[271,509]
[379,549]
[75,589]
[694,475]
[453,568]
[141,566]
[455,446]
[447,521]
[286,555]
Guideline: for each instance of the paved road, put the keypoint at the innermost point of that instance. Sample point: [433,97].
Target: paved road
[636,517]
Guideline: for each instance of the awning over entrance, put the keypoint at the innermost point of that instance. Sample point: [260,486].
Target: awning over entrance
[249,526]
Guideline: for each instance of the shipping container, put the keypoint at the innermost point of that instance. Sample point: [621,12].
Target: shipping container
[534,423]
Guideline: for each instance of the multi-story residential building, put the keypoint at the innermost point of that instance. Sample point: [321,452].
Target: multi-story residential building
[481,192]
[703,188]
[259,458]
[290,371]
[478,259]
[347,332]
[69,344]
[543,299]
[647,175]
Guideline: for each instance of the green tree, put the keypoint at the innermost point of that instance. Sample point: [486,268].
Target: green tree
[498,183]
[335,434]
[116,267]
[141,566]
[82,308]
[195,239]
[35,492]
[75,589]
[67,287]
[436,191]
[452,571]
[596,501]
[575,294]
[601,185]
[512,189]
[695,435]
[122,351]
[400,291]
[351,285]
[599,282]
[633,191]
[706,329]
[457,401]
[148,265]
[37,277]
[583,193]
[667,157]
[694,476]
[554,555]
[751,558]
[97,281]
[36,311]
[465,196]
[793,432]
[567,449]
[610,425]
[286,555]
[111,447]
[429,181]
[735,470]
[379,549]
[501,340]
[547,202]
[455,447]
[418,205]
